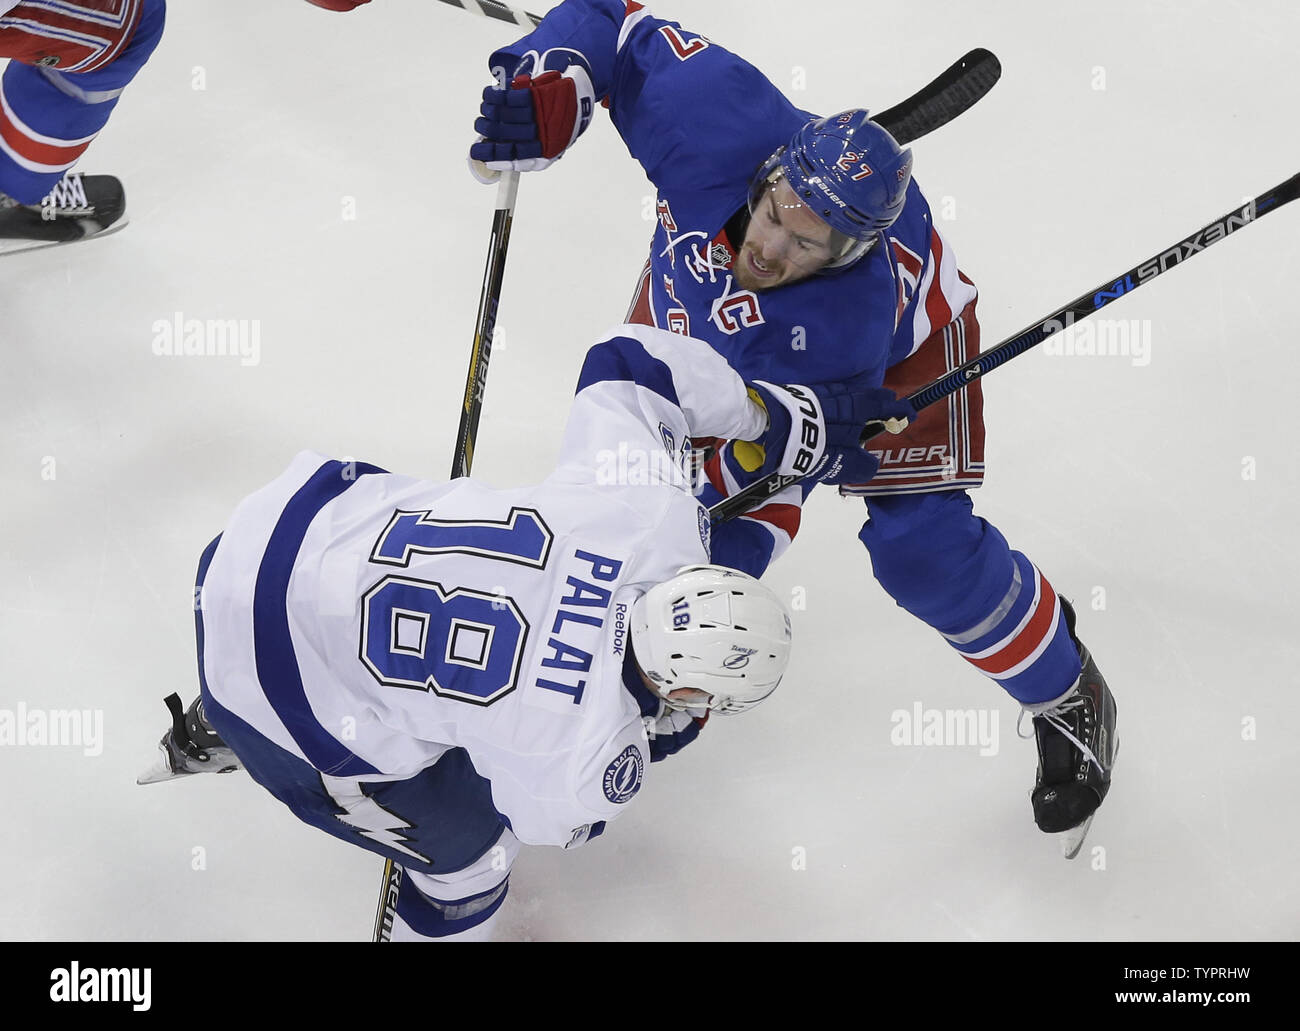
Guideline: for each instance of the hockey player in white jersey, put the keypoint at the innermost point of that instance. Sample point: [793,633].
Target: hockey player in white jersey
[439,672]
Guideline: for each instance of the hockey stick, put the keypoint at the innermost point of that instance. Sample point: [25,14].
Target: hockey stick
[1081,307]
[501,12]
[937,104]
[934,105]
[466,434]
[485,325]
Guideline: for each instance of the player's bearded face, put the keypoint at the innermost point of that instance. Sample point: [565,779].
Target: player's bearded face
[785,241]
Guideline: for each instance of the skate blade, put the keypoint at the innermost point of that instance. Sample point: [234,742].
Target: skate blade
[1072,840]
[161,770]
[9,245]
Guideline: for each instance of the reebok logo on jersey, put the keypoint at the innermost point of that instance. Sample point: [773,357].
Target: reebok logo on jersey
[620,628]
[622,777]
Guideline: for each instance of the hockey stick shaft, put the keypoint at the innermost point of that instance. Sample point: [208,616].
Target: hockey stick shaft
[1081,307]
[485,325]
[497,11]
[1094,300]
[466,433]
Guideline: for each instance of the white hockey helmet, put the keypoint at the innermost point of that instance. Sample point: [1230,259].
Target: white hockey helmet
[715,630]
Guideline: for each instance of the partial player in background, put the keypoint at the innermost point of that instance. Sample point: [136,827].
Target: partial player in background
[801,249]
[439,672]
[69,62]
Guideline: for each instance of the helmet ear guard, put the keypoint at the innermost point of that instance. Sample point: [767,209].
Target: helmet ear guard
[714,630]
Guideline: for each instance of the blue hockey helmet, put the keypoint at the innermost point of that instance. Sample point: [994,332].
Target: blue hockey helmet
[849,172]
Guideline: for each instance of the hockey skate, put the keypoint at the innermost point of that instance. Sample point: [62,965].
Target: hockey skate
[1077,745]
[79,207]
[189,746]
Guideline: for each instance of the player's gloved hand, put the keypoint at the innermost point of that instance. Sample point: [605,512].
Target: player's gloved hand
[813,431]
[525,127]
[672,731]
[339,5]
[848,407]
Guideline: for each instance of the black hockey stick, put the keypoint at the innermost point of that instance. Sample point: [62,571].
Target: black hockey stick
[466,434]
[1081,307]
[485,325]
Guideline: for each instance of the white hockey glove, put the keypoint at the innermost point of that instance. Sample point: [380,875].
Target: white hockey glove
[813,431]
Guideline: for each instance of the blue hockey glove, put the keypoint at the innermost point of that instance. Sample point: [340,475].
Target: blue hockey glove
[547,106]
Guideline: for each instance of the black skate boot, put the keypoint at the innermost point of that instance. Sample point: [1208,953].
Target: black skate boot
[77,208]
[1076,751]
[190,746]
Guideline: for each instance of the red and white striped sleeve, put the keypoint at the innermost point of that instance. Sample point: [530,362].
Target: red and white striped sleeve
[940,290]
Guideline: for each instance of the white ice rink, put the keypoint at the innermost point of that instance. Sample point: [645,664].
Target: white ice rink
[1157,488]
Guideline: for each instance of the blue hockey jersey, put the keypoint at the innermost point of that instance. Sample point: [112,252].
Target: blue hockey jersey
[701,121]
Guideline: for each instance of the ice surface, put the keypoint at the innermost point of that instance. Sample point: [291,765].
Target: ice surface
[1126,481]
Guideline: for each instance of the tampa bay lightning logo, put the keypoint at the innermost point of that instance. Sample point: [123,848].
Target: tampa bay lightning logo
[622,777]
[739,657]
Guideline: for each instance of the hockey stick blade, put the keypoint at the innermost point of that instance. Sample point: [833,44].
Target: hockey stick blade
[956,90]
[1081,307]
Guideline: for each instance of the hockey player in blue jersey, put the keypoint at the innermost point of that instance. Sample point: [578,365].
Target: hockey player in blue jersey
[439,672]
[802,249]
[69,63]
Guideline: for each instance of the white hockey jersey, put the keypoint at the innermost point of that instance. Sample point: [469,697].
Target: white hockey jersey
[367,622]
